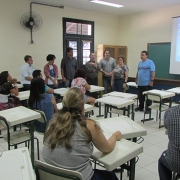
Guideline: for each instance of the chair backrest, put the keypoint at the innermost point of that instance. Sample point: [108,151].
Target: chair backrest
[46,171]
[153,97]
[3,98]
[42,119]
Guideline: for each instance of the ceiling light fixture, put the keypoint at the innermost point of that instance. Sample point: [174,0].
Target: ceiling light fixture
[106,3]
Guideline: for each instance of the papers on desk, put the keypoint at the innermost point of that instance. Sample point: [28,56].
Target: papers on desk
[16,165]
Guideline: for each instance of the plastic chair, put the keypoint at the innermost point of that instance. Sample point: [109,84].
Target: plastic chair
[46,171]
[17,137]
[159,107]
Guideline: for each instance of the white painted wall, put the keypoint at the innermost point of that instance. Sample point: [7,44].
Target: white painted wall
[137,30]
[15,41]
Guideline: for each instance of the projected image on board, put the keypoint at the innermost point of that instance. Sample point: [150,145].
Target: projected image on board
[178,42]
[175,47]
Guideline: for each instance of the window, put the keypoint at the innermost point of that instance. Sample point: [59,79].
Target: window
[78,34]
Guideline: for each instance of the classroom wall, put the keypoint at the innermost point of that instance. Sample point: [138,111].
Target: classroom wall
[15,41]
[136,30]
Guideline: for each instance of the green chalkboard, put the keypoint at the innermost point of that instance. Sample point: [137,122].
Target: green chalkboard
[159,53]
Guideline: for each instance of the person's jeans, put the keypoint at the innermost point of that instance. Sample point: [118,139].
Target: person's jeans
[91,81]
[118,85]
[103,175]
[106,82]
[67,83]
[141,97]
[26,87]
[163,168]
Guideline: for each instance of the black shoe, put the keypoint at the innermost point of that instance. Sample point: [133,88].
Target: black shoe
[138,109]
[96,104]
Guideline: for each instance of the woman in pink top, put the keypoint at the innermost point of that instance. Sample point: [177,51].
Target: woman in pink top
[51,72]
[80,82]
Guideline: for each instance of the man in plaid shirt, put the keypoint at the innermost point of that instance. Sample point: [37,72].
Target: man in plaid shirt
[170,159]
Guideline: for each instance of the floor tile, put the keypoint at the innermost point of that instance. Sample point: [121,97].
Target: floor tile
[152,167]
[154,151]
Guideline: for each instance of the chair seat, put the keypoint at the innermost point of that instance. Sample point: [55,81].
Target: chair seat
[18,137]
[156,107]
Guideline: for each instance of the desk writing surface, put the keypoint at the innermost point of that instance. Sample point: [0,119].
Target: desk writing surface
[127,126]
[163,94]
[122,95]
[174,90]
[16,165]
[87,107]
[24,95]
[96,88]
[133,84]
[19,86]
[19,115]
[124,151]
[61,91]
[116,101]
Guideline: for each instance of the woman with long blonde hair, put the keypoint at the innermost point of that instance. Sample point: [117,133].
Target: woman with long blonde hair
[69,140]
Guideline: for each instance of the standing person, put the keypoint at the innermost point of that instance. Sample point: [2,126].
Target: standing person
[120,75]
[68,67]
[144,79]
[8,86]
[51,72]
[80,82]
[106,65]
[69,140]
[170,159]
[42,101]
[26,71]
[92,69]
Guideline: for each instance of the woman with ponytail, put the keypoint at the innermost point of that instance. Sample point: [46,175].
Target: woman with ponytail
[69,140]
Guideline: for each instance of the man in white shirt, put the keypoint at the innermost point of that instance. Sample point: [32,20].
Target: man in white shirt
[26,71]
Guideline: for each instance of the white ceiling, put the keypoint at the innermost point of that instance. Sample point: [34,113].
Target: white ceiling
[130,6]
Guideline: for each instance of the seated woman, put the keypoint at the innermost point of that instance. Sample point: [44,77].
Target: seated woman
[8,91]
[119,75]
[80,82]
[68,142]
[42,101]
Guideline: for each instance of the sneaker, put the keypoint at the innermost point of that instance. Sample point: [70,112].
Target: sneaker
[138,109]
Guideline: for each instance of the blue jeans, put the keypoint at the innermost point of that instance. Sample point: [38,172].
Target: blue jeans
[164,170]
[67,83]
[106,82]
[118,85]
[103,175]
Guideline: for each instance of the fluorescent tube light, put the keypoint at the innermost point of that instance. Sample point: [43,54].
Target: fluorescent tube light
[106,3]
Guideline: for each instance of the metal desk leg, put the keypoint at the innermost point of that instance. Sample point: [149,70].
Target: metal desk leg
[128,114]
[132,169]
[32,142]
[132,111]
[100,115]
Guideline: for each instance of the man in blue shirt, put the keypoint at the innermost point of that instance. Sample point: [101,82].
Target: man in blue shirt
[144,79]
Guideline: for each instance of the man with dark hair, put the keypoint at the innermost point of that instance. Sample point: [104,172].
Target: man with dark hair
[92,69]
[26,72]
[144,79]
[68,67]
[36,74]
[106,65]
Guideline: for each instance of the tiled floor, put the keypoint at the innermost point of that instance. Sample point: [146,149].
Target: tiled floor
[154,144]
